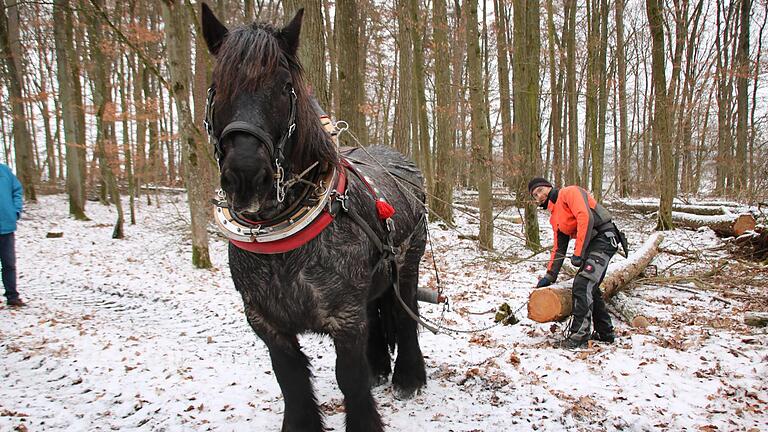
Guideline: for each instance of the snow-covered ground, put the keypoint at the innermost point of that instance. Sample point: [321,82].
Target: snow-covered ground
[126,335]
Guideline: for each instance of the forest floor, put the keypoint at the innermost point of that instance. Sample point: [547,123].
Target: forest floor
[126,335]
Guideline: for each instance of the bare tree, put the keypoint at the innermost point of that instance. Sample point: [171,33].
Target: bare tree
[525,85]
[22,140]
[481,158]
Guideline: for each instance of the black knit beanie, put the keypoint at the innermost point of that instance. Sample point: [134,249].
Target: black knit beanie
[536,182]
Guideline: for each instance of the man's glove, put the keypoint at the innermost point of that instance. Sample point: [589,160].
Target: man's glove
[543,282]
[576,261]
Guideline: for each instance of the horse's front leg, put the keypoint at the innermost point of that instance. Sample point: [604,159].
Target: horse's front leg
[291,368]
[353,377]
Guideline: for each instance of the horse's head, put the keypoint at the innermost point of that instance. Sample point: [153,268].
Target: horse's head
[258,115]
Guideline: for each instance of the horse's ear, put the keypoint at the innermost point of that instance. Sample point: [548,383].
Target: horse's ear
[214,31]
[291,32]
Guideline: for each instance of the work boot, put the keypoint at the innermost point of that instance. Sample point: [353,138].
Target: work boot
[604,337]
[571,344]
[15,302]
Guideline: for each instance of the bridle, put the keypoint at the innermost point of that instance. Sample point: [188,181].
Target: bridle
[276,152]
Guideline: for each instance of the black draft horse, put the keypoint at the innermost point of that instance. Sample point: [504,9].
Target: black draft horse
[335,284]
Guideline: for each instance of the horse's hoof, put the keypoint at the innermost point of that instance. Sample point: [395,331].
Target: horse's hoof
[404,394]
[379,380]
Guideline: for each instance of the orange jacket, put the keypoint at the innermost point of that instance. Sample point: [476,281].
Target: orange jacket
[575,213]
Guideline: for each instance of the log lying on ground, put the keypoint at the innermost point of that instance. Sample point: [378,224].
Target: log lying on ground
[648,207]
[727,225]
[555,304]
[631,315]
[622,272]
[756,319]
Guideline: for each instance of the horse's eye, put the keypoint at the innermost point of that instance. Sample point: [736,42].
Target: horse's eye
[287,88]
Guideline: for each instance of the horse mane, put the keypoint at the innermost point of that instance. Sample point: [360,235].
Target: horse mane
[250,56]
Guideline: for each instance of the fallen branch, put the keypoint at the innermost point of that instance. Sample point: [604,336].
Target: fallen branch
[555,303]
[756,319]
[693,291]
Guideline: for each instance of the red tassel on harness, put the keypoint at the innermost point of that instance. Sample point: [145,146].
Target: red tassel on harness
[384,209]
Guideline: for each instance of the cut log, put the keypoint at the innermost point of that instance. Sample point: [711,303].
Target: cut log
[727,225]
[756,319]
[555,303]
[622,272]
[629,313]
[647,207]
[550,304]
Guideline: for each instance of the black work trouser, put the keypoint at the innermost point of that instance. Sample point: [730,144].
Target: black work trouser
[588,304]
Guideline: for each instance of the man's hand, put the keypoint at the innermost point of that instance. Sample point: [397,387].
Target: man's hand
[543,282]
[576,261]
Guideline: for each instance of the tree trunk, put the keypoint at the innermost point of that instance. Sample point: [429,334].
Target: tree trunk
[598,152]
[444,177]
[481,158]
[352,95]
[192,141]
[22,141]
[554,88]
[105,115]
[742,96]
[661,115]
[420,98]
[572,172]
[403,108]
[312,52]
[526,109]
[724,92]
[623,181]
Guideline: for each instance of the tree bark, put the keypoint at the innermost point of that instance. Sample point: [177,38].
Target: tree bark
[420,98]
[502,63]
[105,116]
[192,141]
[22,140]
[481,158]
[444,176]
[629,313]
[741,170]
[661,115]
[728,225]
[572,172]
[555,84]
[623,181]
[312,46]
[352,95]
[526,109]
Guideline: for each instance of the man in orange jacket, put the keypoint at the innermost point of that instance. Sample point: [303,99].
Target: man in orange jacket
[576,214]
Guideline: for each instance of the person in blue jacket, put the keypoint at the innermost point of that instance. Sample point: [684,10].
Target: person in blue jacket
[11,194]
